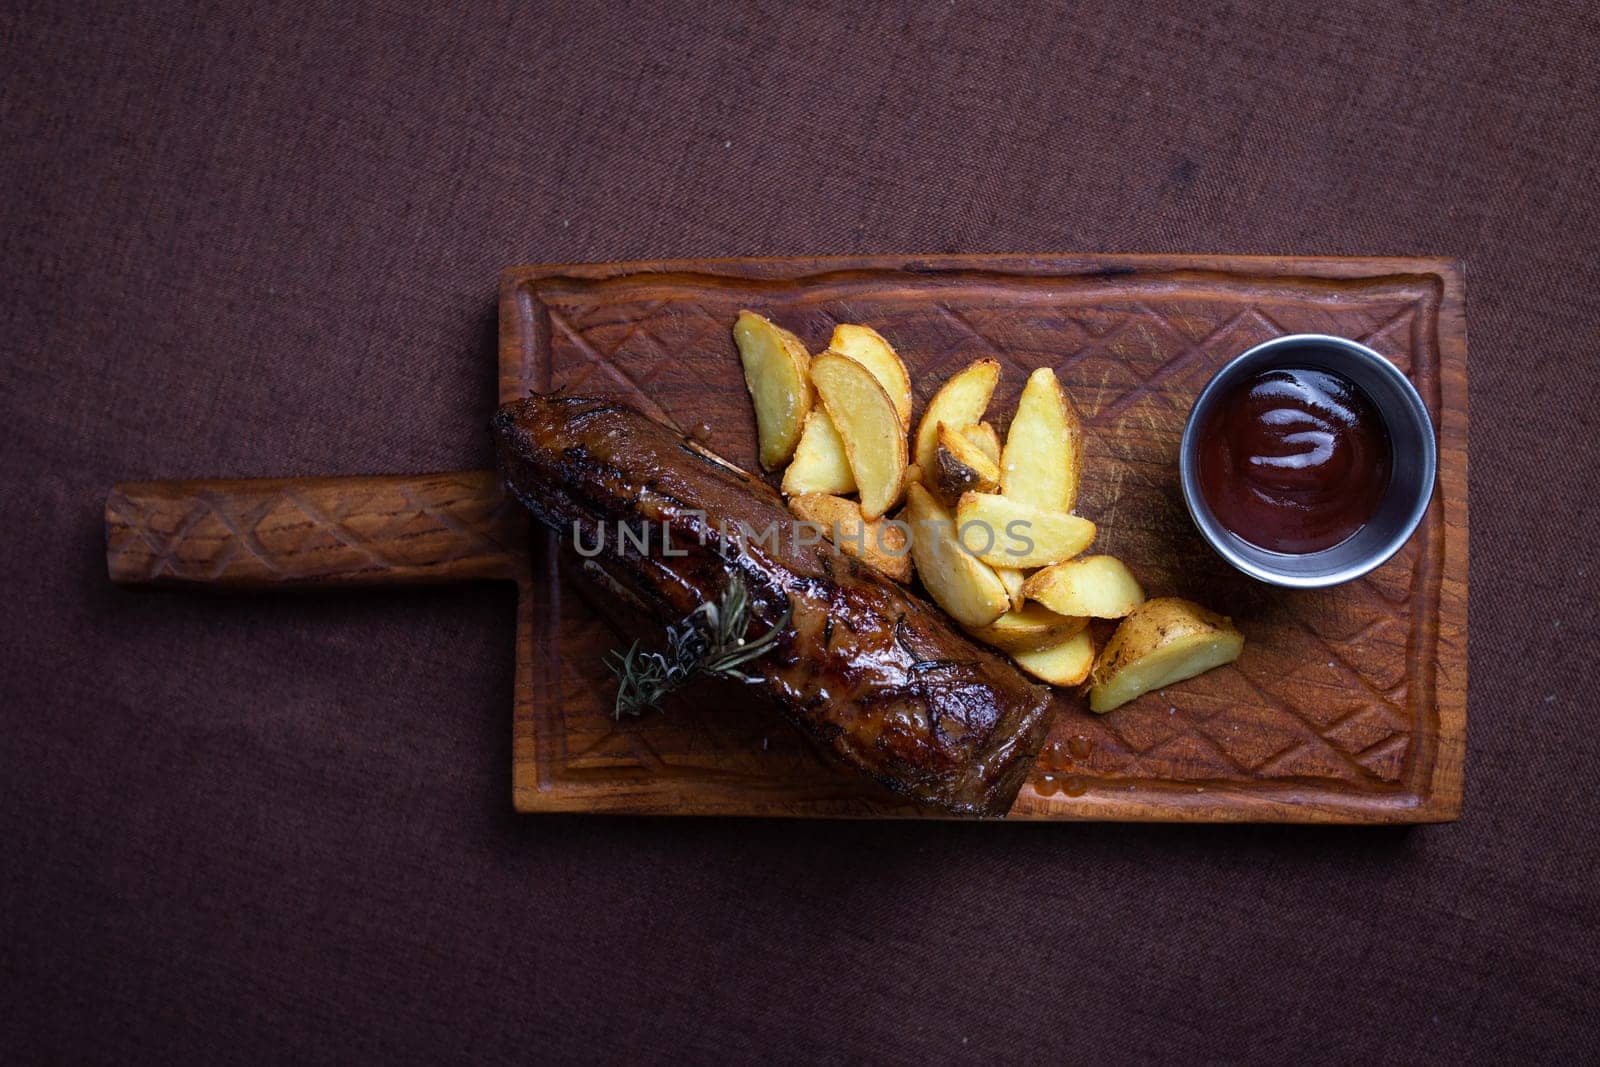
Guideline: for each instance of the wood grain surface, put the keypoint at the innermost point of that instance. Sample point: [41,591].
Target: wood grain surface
[1348,705]
[283,532]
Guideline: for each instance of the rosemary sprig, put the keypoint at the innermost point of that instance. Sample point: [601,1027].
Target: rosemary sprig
[708,641]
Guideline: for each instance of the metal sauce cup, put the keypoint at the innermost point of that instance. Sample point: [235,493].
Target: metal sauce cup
[1414,464]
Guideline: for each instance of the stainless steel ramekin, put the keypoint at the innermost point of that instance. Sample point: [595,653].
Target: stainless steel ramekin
[1415,462]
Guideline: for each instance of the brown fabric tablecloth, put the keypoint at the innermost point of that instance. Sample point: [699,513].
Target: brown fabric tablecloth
[249,240]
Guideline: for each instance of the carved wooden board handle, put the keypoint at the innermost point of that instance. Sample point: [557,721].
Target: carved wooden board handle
[286,532]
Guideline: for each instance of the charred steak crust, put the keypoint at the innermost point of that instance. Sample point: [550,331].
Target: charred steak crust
[881,679]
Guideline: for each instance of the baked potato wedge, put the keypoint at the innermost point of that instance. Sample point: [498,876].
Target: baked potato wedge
[867,347]
[1019,534]
[984,436]
[1064,664]
[865,416]
[1012,579]
[880,543]
[777,374]
[820,464]
[960,466]
[1162,641]
[1042,462]
[960,583]
[960,401]
[1033,628]
[1097,586]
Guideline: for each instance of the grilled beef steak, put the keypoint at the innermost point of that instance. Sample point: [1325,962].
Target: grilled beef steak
[881,679]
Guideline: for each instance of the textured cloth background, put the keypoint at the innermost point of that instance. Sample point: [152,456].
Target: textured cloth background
[246,240]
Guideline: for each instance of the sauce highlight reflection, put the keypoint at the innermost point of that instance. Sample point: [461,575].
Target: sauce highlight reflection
[1295,460]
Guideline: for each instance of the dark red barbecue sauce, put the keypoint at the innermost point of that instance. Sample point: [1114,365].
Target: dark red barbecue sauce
[1294,460]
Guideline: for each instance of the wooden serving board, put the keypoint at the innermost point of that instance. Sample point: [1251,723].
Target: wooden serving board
[1348,705]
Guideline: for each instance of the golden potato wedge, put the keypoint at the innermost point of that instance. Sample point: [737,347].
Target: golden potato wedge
[1098,586]
[1162,641]
[880,543]
[1043,458]
[1012,579]
[1032,629]
[777,373]
[820,464]
[874,440]
[1067,663]
[867,347]
[1011,533]
[960,583]
[986,439]
[960,401]
[959,466]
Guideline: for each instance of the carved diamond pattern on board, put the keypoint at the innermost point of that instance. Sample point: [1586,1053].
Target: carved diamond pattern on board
[287,531]
[1133,362]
